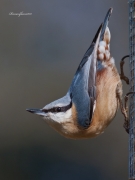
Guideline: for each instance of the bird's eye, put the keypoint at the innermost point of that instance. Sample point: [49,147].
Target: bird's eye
[58,109]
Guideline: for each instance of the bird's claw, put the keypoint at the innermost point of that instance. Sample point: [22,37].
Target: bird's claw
[122,75]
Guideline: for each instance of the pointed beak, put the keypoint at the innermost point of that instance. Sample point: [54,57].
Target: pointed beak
[36,111]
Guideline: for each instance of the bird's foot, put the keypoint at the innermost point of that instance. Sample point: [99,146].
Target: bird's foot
[122,75]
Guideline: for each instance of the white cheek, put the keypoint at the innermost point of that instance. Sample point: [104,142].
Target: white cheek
[68,114]
[60,117]
[56,117]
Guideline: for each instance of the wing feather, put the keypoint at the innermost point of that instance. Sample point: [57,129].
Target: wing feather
[83,87]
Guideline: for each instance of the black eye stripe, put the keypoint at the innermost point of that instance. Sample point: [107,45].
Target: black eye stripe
[58,109]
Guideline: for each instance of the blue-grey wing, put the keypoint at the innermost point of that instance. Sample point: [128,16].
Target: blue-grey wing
[84,94]
[83,91]
[83,87]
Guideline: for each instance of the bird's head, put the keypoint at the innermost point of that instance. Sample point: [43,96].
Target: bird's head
[57,111]
[59,114]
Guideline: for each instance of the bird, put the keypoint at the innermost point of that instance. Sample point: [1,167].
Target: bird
[94,96]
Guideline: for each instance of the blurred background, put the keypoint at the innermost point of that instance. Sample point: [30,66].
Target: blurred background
[39,55]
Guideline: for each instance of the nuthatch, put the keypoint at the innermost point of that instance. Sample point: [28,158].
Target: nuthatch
[94,95]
